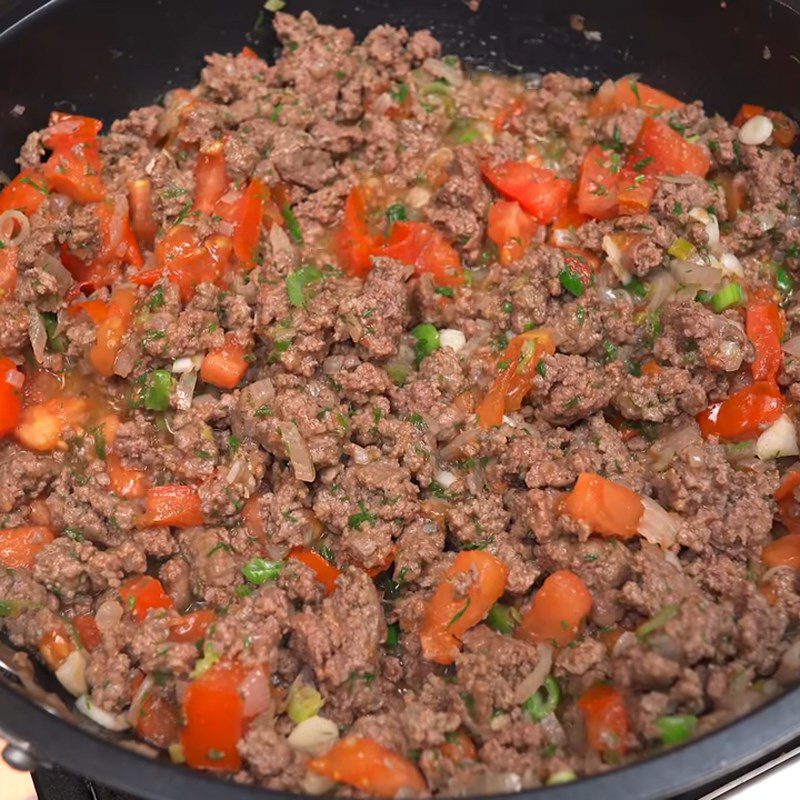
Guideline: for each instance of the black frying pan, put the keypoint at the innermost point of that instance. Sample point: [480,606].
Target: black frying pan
[103,58]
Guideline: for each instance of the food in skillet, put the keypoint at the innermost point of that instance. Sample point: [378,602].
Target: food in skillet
[372,427]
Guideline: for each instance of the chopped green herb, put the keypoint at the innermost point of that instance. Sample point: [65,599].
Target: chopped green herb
[572,282]
[243,590]
[57,343]
[292,225]
[297,281]
[541,368]
[155,390]
[260,571]
[156,299]
[202,665]
[74,533]
[263,412]
[658,621]
[399,93]
[395,213]
[783,280]
[503,618]
[357,520]
[460,613]
[392,636]
[636,287]
[218,547]
[40,187]
[98,434]
[327,554]
[445,291]
[611,351]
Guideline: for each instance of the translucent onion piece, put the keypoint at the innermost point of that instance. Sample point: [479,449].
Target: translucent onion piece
[184,391]
[662,289]
[55,268]
[11,221]
[145,687]
[452,338]
[37,334]
[657,525]
[756,130]
[112,722]
[298,452]
[691,273]
[445,478]
[779,440]
[710,222]
[792,346]
[255,691]
[108,615]
[72,674]
[440,69]
[536,677]
[614,256]
[314,736]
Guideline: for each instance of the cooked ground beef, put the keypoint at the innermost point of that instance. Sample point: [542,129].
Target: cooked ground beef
[387,411]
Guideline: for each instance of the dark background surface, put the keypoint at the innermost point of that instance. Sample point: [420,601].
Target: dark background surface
[104,57]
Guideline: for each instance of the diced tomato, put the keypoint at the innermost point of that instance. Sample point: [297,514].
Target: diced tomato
[765,327]
[76,172]
[97,310]
[119,244]
[25,193]
[745,414]
[141,594]
[192,627]
[112,331]
[448,614]
[125,481]
[568,221]
[42,426]
[507,113]
[660,150]
[539,191]
[248,52]
[609,508]
[784,129]
[583,263]
[557,611]
[213,711]
[516,373]
[225,366]
[597,187]
[630,93]
[66,130]
[19,546]
[147,277]
[746,112]
[173,505]
[158,721]
[248,229]
[211,178]
[387,562]
[87,631]
[635,192]
[11,380]
[325,572]
[606,719]
[788,507]
[190,262]
[783,552]
[143,222]
[511,229]
[353,242]
[370,767]
[459,748]
[422,246]
[9,259]
[651,368]
[55,647]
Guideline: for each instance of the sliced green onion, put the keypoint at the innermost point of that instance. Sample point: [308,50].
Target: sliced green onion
[156,389]
[563,776]
[727,297]
[503,618]
[176,753]
[658,621]
[783,280]
[292,225]
[681,248]
[676,729]
[392,636]
[544,701]
[202,665]
[259,570]
[635,286]
[297,281]
[427,340]
[572,282]
[304,702]
[274,5]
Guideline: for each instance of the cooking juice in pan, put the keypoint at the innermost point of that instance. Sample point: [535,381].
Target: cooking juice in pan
[374,426]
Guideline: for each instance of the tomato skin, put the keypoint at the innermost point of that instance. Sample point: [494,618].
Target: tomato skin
[326,573]
[615,96]
[788,507]
[507,113]
[248,230]
[606,719]
[765,327]
[211,178]
[22,195]
[66,130]
[192,627]
[511,229]
[158,722]
[557,611]
[660,150]
[745,414]
[635,192]
[142,593]
[609,508]
[213,711]
[784,551]
[10,397]
[143,223]
[76,172]
[370,767]
[19,546]
[540,192]
[225,366]
[448,616]
[88,632]
[174,505]
[188,261]
[516,373]
[112,331]
[55,647]
[422,246]
[597,186]
[353,242]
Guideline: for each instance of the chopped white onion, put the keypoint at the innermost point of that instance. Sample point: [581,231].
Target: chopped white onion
[553,730]
[185,364]
[626,640]
[564,237]
[440,69]
[756,130]
[184,391]
[731,265]
[779,440]
[54,267]
[445,478]
[657,525]
[108,615]
[535,678]
[614,256]
[710,222]
[662,288]
[145,687]
[452,338]
[16,379]
[72,674]
[233,472]
[112,722]
[37,334]
[314,736]
[792,346]
[258,393]
[298,452]
[255,691]
[418,197]
[666,447]
[692,273]
[9,221]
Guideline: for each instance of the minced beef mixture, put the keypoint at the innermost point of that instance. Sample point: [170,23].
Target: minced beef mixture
[371,427]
